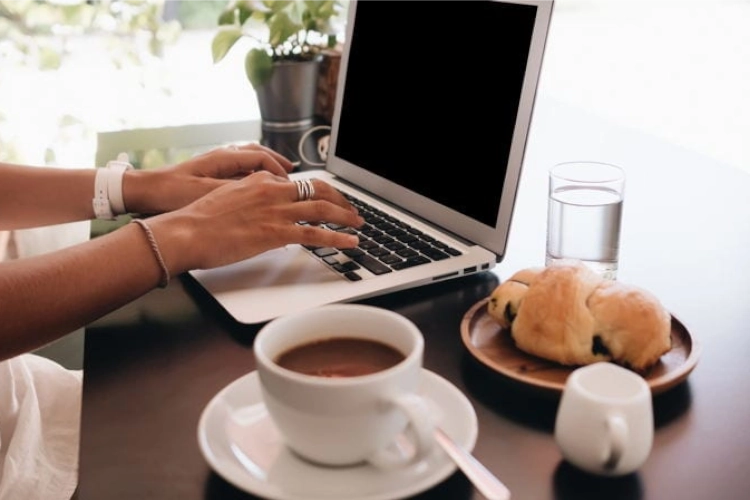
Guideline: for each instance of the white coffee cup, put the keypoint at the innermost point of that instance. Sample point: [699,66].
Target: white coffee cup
[378,418]
[605,422]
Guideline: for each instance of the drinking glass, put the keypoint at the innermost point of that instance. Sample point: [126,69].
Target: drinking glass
[584,215]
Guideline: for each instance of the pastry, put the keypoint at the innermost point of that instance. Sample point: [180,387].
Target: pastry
[568,314]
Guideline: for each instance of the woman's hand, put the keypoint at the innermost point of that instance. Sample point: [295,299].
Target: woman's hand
[169,188]
[247,217]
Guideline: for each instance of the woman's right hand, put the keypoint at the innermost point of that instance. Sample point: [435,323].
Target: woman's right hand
[249,216]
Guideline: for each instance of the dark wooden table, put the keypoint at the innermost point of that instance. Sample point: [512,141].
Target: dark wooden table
[151,367]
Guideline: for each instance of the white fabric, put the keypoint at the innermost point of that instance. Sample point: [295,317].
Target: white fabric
[40,408]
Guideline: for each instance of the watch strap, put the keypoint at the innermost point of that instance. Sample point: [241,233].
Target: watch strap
[108,200]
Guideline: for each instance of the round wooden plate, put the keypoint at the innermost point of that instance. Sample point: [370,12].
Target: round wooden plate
[493,346]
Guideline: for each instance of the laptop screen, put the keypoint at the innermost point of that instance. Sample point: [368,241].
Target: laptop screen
[435,103]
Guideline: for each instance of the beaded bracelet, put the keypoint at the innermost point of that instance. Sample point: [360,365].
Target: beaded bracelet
[157,253]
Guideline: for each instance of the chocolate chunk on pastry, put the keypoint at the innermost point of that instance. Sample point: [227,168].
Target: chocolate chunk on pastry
[568,314]
[632,324]
[506,299]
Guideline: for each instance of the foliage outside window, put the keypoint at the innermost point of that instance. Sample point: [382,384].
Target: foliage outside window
[37,33]
[71,67]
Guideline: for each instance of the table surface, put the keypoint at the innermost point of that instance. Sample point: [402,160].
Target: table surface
[151,367]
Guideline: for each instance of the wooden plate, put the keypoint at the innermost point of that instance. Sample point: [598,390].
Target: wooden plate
[492,346]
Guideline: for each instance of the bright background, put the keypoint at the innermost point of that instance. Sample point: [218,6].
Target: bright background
[679,69]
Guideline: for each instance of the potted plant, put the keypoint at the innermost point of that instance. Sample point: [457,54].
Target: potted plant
[288,39]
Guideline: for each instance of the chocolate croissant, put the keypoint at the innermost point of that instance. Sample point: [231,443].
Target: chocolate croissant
[568,314]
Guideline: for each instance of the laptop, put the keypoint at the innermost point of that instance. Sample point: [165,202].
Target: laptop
[433,108]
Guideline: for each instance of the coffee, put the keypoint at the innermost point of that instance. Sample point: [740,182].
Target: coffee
[340,357]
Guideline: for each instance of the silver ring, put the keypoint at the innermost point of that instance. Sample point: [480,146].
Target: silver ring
[305,189]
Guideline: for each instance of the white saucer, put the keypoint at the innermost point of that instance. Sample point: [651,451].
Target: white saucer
[241,443]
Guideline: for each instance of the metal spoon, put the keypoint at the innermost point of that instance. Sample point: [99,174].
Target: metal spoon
[486,482]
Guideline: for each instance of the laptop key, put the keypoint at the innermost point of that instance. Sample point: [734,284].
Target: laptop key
[406,252]
[368,245]
[371,264]
[394,246]
[434,253]
[379,252]
[352,276]
[352,252]
[407,238]
[325,251]
[411,262]
[391,259]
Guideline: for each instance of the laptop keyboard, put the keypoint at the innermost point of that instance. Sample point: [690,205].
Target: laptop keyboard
[386,244]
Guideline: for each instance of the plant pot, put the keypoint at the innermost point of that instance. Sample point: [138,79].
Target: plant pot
[287,101]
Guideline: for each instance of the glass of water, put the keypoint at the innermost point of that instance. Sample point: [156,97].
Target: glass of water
[584,214]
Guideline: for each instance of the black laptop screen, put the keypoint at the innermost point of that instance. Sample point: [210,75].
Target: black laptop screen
[431,97]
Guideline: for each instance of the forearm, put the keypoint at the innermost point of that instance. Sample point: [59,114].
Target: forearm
[39,196]
[42,196]
[45,297]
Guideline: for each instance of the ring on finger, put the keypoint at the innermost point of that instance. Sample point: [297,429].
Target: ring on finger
[305,189]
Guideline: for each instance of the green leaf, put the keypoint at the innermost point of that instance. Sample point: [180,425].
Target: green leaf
[258,67]
[245,10]
[276,6]
[282,28]
[321,10]
[320,15]
[236,11]
[226,17]
[224,39]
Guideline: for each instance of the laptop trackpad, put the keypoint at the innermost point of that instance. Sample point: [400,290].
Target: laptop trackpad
[276,282]
[280,267]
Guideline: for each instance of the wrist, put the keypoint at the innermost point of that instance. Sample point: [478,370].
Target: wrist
[164,272]
[141,191]
[174,232]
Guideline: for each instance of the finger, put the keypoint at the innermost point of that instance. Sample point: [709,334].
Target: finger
[276,161]
[325,191]
[322,237]
[241,161]
[318,211]
[285,162]
[252,161]
[321,190]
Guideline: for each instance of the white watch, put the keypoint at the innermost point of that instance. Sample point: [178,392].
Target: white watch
[108,201]
[117,169]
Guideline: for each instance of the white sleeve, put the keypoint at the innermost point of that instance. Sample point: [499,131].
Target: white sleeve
[40,408]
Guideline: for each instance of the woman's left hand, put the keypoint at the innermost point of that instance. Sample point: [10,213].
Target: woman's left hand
[169,188]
